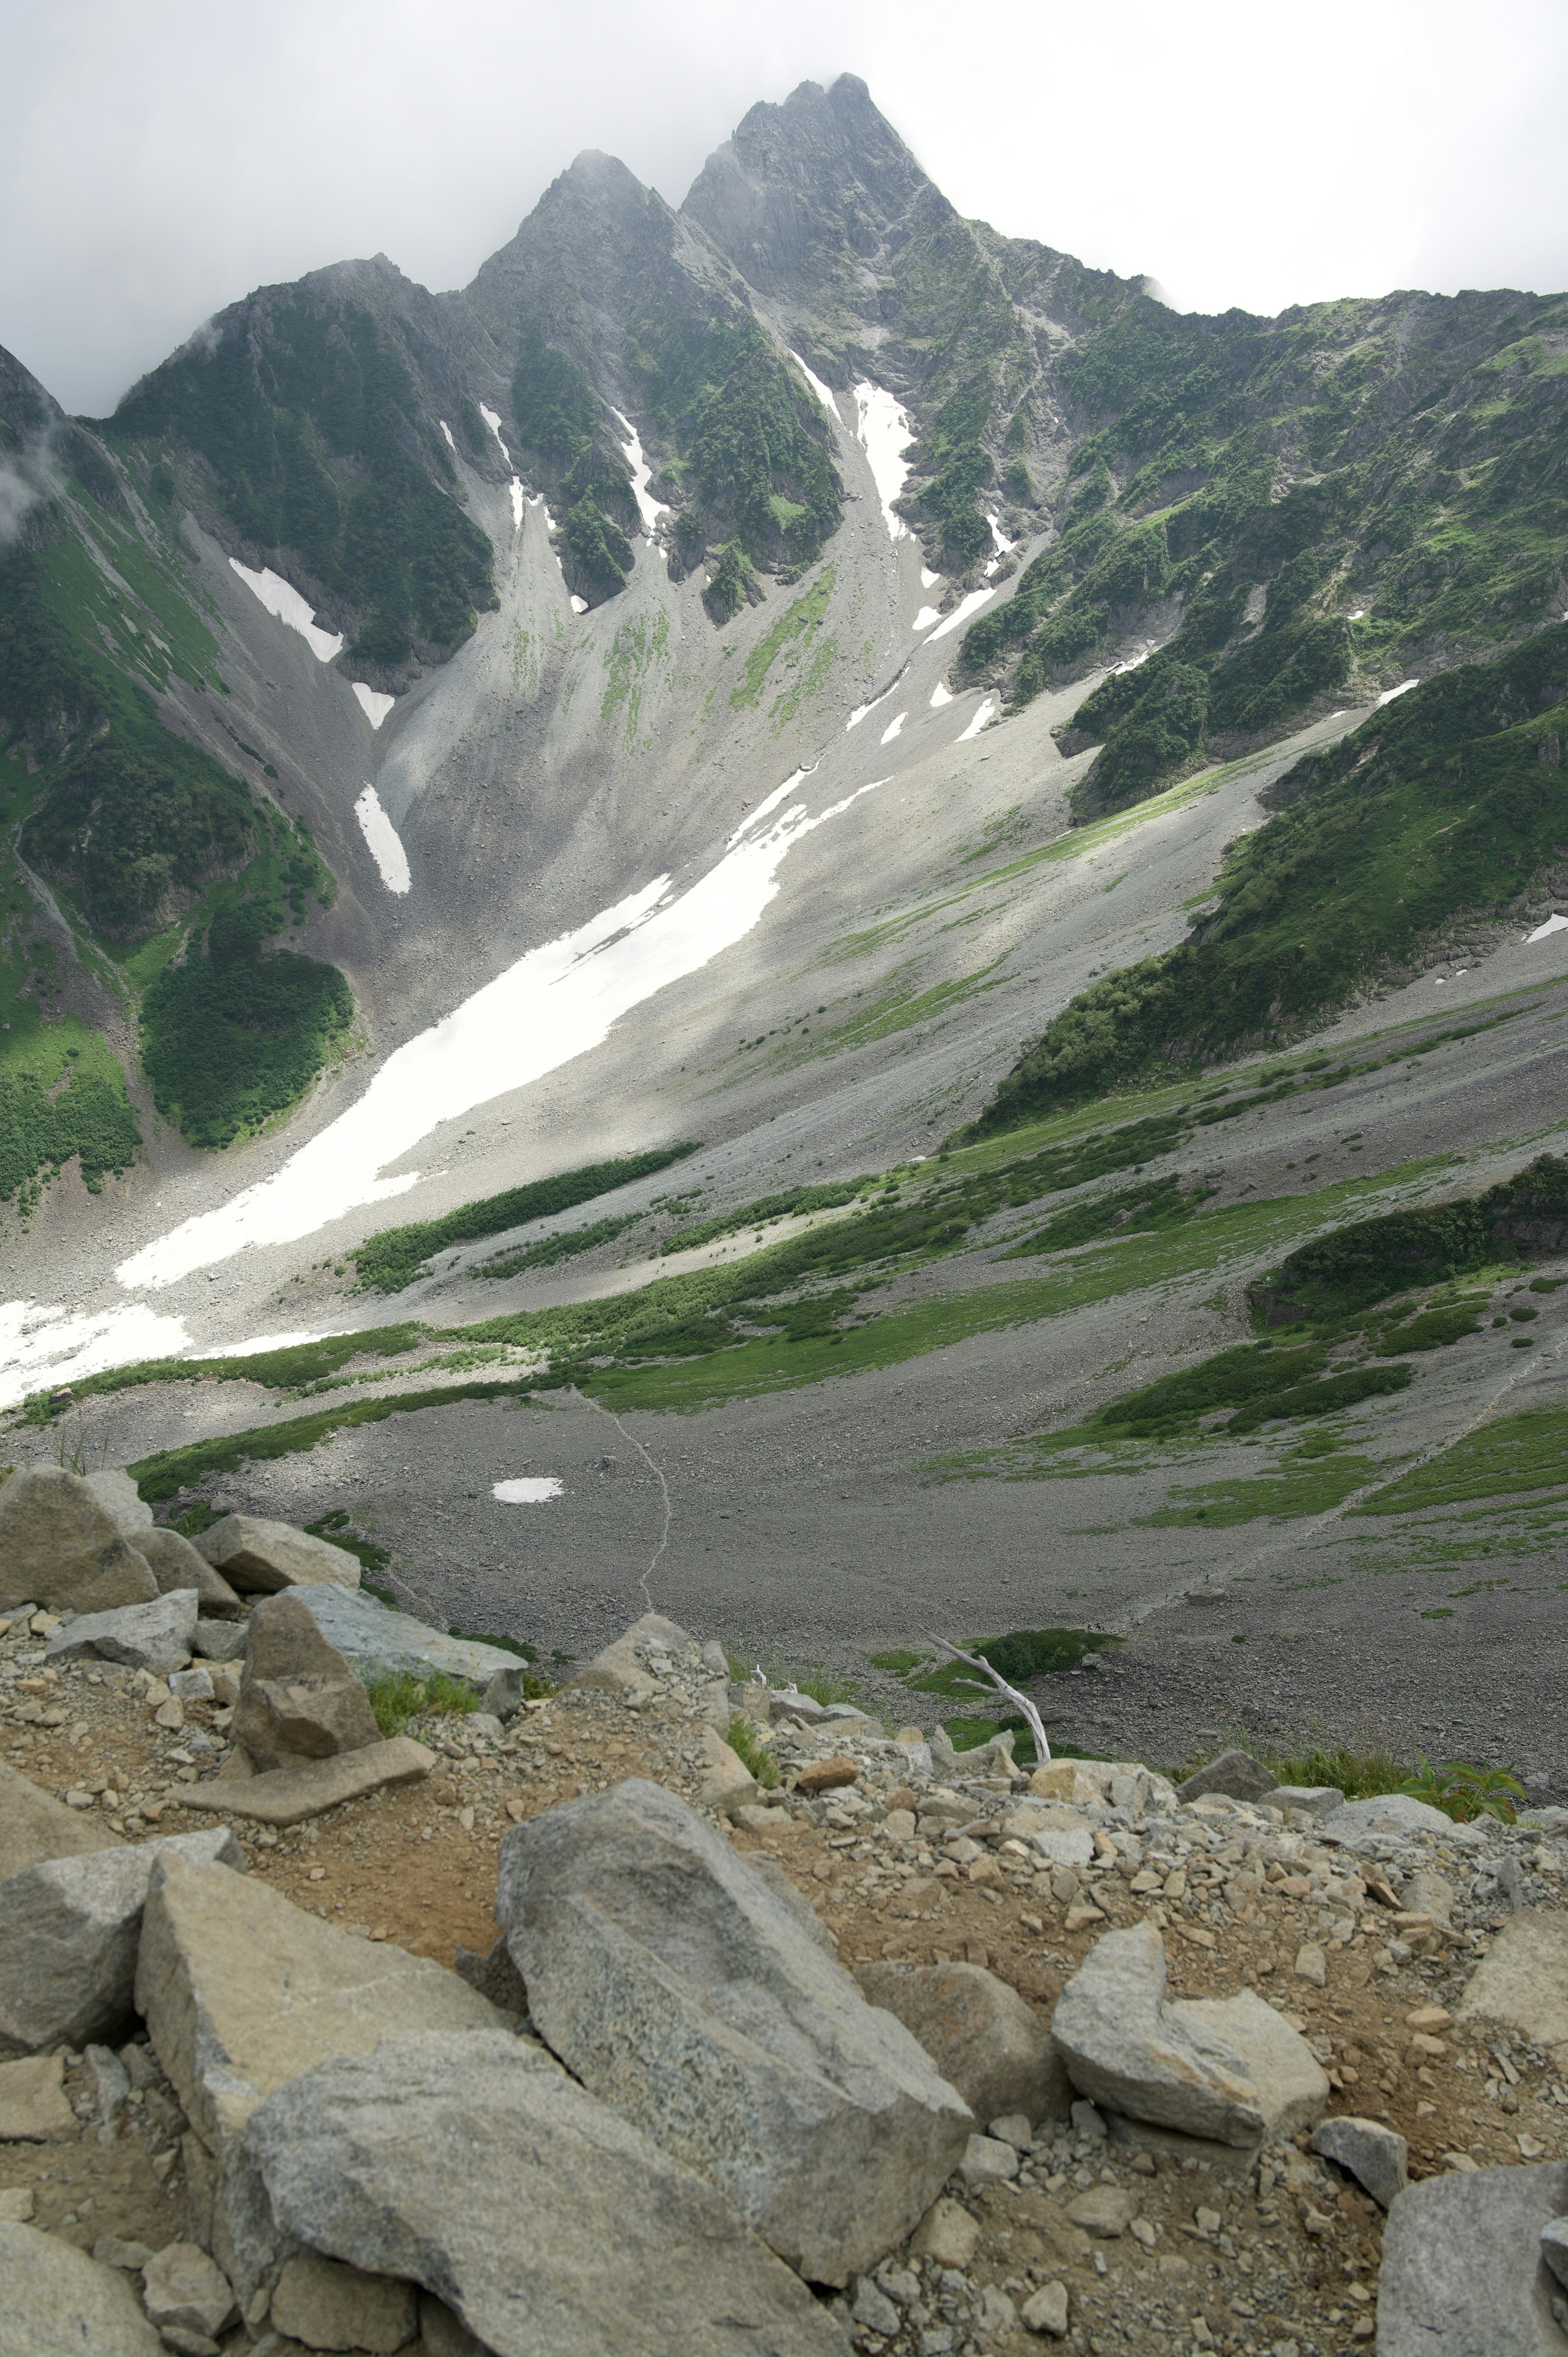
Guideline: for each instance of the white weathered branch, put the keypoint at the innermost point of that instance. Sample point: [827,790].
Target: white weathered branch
[997,1683]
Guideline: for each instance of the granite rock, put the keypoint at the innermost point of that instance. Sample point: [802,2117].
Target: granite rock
[669,1977]
[60,1548]
[982,2036]
[258,1556]
[155,1636]
[34,1826]
[60,2303]
[1376,2157]
[1462,2273]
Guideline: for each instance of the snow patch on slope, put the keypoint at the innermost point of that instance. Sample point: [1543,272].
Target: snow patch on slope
[374,707]
[961,614]
[385,841]
[986,712]
[43,1344]
[280,597]
[493,418]
[884,433]
[647,508]
[824,392]
[555,1004]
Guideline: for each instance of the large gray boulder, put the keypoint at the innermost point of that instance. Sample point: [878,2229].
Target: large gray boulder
[627,1666]
[983,2038]
[60,1548]
[34,1826]
[1235,1773]
[69,1931]
[1524,1980]
[673,1981]
[1398,1813]
[122,1502]
[174,1563]
[156,1636]
[259,1557]
[1462,2273]
[1229,2069]
[475,2166]
[59,2303]
[298,1698]
[242,1991]
[374,1639]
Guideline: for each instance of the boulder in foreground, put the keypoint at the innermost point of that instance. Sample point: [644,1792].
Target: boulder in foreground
[1231,2070]
[669,1977]
[158,1636]
[1462,2273]
[298,1698]
[474,2166]
[60,1547]
[69,1931]
[34,1826]
[1524,1980]
[982,2036]
[259,1557]
[59,2303]
[374,1639]
[287,1796]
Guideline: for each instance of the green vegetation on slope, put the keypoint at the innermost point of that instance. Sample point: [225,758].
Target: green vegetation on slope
[394,1257]
[1438,809]
[321,456]
[1350,488]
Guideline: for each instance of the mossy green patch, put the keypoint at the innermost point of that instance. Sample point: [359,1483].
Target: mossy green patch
[794,630]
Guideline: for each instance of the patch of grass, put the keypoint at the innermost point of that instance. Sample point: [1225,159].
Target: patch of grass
[394,1257]
[339,1531]
[742,1739]
[1290,1491]
[1464,1792]
[549,1250]
[800,621]
[397,1695]
[788,1204]
[1514,1453]
[170,1470]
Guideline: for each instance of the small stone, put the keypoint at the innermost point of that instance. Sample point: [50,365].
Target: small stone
[1376,2157]
[997,2313]
[1087,2122]
[1013,2129]
[1082,1917]
[827,1775]
[872,2309]
[33,2106]
[724,1782]
[1105,2210]
[947,2233]
[191,1685]
[15,2205]
[287,1796]
[1311,1965]
[985,2159]
[111,2252]
[1046,2310]
[183,2291]
[330,2306]
[175,1563]
[1429,2018]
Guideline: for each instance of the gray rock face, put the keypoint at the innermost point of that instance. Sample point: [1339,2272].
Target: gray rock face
[184,2292]
[1554,2249]
[1236,1774]
[60,1547]
[298,1698]
[240,1992]
[503,1695]
[69,1931]
[983,2038]
[373,1638]
[575,2237]
[1387,1813]
[669,1977]
[330,2306]
[259,1557]
[1377,2157]
[1315,1800]
[34,1826]
[623,1668]
[1462,2273]
[156,1636]
[175,1563]
[218,1640]
[60,2303]
[122,1502]
[1524,1980]
[1231,2070]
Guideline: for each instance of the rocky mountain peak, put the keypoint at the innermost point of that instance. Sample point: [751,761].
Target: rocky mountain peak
[807,192]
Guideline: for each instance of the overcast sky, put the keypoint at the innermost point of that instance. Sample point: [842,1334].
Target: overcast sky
[160,157]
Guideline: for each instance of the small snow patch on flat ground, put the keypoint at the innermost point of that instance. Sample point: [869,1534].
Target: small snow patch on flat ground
[987,711]
[375,707]
[385,842]
[493,418]
[893,727]
[1403,688]
[940,697]
[1554,924]
[532,1491]
[280,597]
[961,614]
[886,433]
[824,392]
